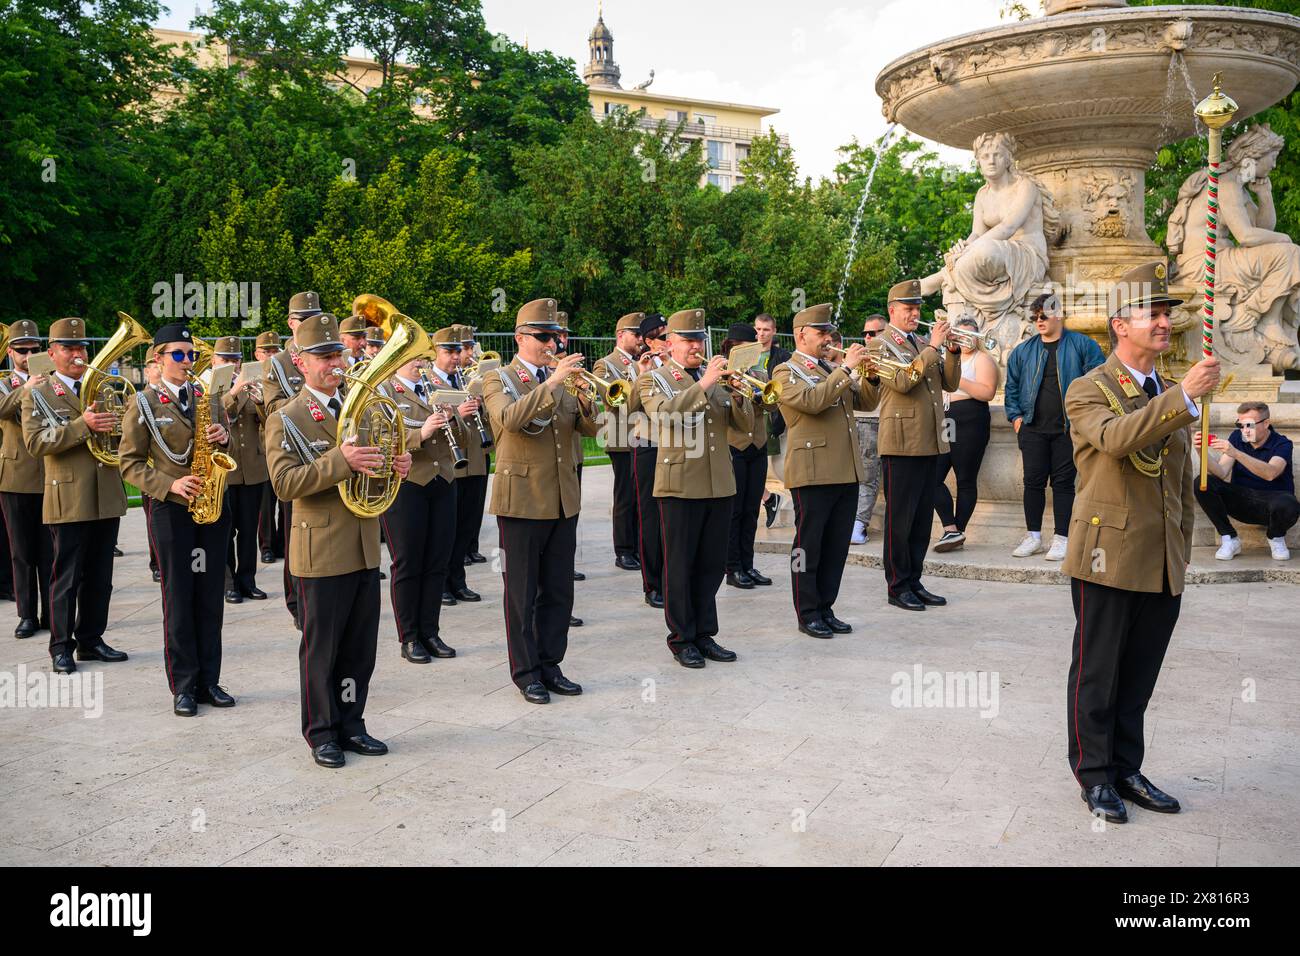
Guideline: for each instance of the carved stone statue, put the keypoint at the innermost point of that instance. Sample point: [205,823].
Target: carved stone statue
[991,271]
[1257,278]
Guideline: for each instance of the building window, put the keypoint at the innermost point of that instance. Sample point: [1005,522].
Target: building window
[717,151]
[742,152]
[722,182]
[675,116]
[704,119]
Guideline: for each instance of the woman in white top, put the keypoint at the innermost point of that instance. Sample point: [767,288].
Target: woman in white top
[968,411]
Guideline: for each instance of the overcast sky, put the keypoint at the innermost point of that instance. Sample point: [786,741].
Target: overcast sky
[814,60]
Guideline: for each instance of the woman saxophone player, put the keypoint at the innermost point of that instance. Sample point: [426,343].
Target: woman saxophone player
[159,445]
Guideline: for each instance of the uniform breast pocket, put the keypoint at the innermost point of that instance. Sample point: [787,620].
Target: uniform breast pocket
[807,452]
[311,535]
[1102,528]
[672,468]
[64,492]
[512,475]
[898,421]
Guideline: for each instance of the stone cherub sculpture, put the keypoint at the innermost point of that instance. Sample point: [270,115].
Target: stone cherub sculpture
[991,271]
[1257,278]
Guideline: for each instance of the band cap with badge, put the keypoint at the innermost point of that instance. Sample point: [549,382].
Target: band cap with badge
[269,340]
[908,291]
[540,314]
[303,305]
[24,330]
[688,323]
[228,347]
[1144,285]
[816,317]
[354,325]
[318,335]
[631,321]
[70,331]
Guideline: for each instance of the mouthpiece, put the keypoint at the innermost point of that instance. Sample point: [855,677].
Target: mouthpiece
[78,362]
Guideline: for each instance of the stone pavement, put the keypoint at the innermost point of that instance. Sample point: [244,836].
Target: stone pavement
[796,754]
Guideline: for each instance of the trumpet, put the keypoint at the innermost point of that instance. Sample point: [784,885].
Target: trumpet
[966,339]
[747,386]
[590,386]
[877,363]
[471,371]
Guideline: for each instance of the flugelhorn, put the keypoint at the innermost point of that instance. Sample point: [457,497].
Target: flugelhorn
[613,394]
[877,363]
[769,393]
[966,339]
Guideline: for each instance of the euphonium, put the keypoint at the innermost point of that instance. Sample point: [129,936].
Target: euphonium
[374,420]
[110,393]
[582,382]
[208,465]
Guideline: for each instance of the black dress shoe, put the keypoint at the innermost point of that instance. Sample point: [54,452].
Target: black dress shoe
[467,562]
[117,552]
[690,656]
[365,745]
[1103,801]
[157,575]
[465,594]
[184,705]
[234,597]
[414,652]
[816,629]
[654,599]
[268,556]
[435,647]
[714,651]
[100,652]
[579,576]
[933,600]
[447,599]
[1146,794]
[836,625]
[560,684]
[575,621]
[907,601]
[215,696]
[63,664]
[760,579]
[771,506]
[383,576]
[477,558]
[627,562]
[26,628]
[739,579]
[536,693]
[328,754]
[255,594]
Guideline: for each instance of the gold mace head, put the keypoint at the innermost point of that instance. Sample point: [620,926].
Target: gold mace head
[1216,110]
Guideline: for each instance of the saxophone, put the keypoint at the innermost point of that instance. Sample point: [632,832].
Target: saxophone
[208,464]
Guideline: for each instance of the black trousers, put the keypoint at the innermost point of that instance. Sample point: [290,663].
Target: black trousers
[81,583]
[340,631]
[823,526]
[1044,454]
[1120,639]
[146,505]
[32,550]
[537,571]
[750,468]
[191,559]
[469,495]
[477,524]
[419,528]
[270,533]
[695,558]
[970,439]
[244,502]
[649,529]
[909,512]
[290,585]
[6,560]
[1276,511]
[625,504]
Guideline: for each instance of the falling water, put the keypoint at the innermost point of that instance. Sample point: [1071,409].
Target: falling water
[1191,90]
[1177,71]
[857,219]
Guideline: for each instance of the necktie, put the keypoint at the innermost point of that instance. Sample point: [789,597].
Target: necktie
[184,398]
[914,343]
[419,390]
[694,373]
[335,406]
[543,373]
[76,388]
[456,381]
[1149,386]
[825,366]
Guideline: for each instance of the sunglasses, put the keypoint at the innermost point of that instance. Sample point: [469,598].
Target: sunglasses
[870,333]
[24,350]
[541,336]
[178,355]
[1251,424]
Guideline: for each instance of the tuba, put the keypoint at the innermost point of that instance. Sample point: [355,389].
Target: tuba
[371,418]
[110,393]
[208,464]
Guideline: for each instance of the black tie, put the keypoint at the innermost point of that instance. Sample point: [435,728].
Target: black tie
[693,373]
[543,373]
[455,380]
[335,406]
[1149,386]
[912,339]
[184,397]
[76,387]
[419,390]
[825,366]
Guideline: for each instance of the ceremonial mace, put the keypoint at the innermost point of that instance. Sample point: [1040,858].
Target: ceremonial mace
[1215,111]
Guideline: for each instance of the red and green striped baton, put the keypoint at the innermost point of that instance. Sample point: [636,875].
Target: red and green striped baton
[1216,112]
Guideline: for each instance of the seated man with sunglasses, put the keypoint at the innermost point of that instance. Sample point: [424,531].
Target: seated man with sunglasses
[1250,480]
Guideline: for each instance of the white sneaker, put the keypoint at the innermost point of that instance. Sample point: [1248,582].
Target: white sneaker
[1057,551]
[1280,550]
[859,533]
[1229,549]
[1031,545]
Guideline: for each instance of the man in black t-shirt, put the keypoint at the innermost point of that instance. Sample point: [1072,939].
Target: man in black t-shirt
[1250,480]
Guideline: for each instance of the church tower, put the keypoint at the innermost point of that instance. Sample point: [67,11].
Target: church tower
[601,70]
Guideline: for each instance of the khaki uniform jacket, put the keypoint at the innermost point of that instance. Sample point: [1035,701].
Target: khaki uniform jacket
[536,467]
[245,421]
[77,487]
[144,464]
[478,455]
[1128,530]
[641,434]
[20,473]
[911,416]
[327,539]
[614,421]
[282,381]
[822,447]
[431,459]
[691,425]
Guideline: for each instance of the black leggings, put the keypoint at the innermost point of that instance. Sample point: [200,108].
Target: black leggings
[1045,453]
[965,455]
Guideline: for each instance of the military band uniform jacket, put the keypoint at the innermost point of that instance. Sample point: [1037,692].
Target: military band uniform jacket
[911,415]
[20,472]
[822,444]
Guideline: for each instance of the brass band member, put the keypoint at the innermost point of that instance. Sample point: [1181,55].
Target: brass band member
[536,497]
[333,553]
[471,491]
[749,465]
[622,364]
[241,411]
[21,483]
[649,535]
[691,409]
[562,349]
[823,464]
[84,502]
[159,438]
[353,329]
[1130,540]
[374,340]
[445,373]
[911,440]
[282,381]
[270,535]
[420,524]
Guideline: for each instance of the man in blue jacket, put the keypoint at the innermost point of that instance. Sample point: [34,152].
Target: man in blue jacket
[1039,370]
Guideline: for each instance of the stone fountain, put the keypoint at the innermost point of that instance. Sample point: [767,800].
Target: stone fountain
[1066,113]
